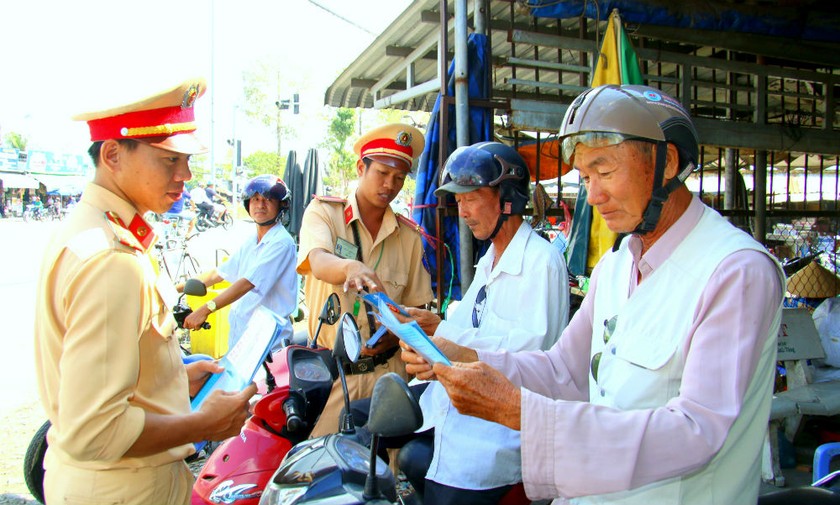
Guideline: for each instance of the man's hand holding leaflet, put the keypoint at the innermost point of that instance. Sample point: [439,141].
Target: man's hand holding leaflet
[410,333]
[244,359]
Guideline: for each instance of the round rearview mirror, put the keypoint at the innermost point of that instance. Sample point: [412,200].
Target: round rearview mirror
[195,287]
[331,309]
[348,341]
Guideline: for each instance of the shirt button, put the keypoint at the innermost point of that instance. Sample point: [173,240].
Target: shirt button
[612,351]
[603,393]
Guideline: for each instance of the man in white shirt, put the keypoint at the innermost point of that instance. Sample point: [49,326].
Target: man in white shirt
[262,271]
[505,308]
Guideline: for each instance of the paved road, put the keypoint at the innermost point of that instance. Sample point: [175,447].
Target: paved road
[21,252]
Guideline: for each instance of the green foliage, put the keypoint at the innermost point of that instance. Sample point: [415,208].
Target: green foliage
[341,161]
[16,140]
[262,162]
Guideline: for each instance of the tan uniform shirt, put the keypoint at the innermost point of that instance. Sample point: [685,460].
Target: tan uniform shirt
[395,254]
[104,347]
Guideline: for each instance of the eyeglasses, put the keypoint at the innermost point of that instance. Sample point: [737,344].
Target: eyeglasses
[478,308]
[592,139]
[609,328]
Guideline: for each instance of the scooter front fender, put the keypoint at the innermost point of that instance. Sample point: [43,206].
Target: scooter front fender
[239,469]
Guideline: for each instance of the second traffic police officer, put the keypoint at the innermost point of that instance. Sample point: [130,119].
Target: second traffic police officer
[359,243]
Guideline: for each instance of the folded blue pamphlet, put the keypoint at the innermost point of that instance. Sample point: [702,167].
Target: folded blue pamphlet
[411,333]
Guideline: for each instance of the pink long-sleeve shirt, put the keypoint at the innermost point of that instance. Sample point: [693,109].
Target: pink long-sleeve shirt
[573,448]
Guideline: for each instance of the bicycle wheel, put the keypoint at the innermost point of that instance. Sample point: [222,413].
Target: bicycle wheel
[227,220]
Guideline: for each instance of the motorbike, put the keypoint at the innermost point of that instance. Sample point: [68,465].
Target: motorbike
[33,461]
[336,468]
[298,380]
[205,220]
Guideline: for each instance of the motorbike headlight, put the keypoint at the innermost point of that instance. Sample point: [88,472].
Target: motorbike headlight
[285,495]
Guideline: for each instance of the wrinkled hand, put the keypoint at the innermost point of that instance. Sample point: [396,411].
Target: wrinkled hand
[360,276]
[479,390]
[427,319]
[196,319]
[225,412]
[199,371]
[416,365]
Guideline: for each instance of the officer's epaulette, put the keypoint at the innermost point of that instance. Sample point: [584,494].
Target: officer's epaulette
[330,199]
[408,222]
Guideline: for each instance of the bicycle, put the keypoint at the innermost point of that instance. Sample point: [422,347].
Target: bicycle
[186,267]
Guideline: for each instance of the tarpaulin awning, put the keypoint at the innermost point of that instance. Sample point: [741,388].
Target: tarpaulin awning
[64,184]
[18,181]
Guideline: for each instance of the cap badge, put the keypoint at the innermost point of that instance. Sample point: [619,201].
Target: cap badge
[403,139]
[190,96]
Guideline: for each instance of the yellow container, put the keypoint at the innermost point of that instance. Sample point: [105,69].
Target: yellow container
[215,340]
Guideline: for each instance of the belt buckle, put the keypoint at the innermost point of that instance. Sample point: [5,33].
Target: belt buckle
[363,365]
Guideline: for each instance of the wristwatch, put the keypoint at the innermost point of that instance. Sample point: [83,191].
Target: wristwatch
[211,305]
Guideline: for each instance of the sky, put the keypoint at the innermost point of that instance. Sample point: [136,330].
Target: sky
[63,57]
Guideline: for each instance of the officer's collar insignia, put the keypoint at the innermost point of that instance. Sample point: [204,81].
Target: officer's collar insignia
[348,214]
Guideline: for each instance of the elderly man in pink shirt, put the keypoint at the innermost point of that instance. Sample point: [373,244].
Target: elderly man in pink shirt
[659,389]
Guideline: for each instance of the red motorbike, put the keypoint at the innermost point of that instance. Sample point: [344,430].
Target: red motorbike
[298,380]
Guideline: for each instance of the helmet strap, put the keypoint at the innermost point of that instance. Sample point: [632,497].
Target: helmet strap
[660,193]
[499,223]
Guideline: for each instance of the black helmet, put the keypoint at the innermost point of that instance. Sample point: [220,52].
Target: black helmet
[269,186]
[488,164]
[610,114]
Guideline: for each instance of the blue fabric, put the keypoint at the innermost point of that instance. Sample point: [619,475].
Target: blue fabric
[812,24]
[481,129]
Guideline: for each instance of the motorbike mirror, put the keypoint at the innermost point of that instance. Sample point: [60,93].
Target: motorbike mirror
[393,409]
[329,314]
[347,347]
[331,309]
[348,341]
[393,412]
[195,287]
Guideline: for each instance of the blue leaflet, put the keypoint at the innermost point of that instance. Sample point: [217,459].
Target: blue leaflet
[410,333]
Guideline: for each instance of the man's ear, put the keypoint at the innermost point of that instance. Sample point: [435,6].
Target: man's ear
[109,155]
[360,167]
[672,162]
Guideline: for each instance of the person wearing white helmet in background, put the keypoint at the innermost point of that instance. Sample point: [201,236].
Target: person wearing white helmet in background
[659,390]
[262,271]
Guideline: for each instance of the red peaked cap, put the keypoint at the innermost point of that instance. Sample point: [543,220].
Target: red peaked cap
[165,120]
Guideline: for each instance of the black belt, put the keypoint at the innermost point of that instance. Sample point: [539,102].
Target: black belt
[367,364]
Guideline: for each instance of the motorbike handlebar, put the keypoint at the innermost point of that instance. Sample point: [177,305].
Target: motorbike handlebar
[294,421]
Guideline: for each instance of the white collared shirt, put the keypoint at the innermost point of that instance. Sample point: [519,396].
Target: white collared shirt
[270,266]
[526,307]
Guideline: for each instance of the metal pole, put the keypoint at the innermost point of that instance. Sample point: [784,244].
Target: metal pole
[760,196]
[212,89]
[462,130]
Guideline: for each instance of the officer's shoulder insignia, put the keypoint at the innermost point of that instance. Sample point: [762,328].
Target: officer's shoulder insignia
[88,243]
[330,199]
[409,223]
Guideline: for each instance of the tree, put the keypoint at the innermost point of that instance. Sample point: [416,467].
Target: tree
[262,162]
[263,86]
[341,162]
[16,141]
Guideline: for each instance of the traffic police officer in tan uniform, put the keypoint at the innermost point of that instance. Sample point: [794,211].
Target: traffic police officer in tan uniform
[359,243]
[110,373]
